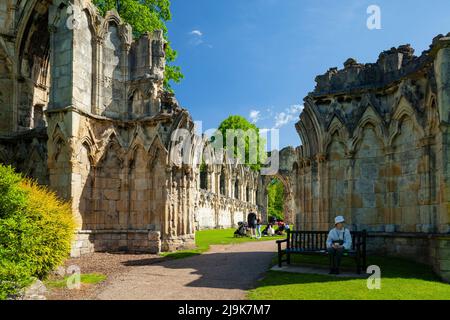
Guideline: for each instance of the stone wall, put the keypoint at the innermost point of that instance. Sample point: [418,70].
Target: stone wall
[225,195]
[83,110]
[27,152]
[375,150]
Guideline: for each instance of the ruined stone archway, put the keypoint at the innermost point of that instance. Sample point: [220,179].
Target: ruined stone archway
[288,197]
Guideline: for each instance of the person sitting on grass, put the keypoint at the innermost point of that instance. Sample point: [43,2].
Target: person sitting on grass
[281,227]
[268,231]
[339,239]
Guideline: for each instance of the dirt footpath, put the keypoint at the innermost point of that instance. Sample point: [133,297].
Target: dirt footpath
[223,273]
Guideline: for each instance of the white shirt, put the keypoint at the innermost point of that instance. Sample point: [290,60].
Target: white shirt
[336,235]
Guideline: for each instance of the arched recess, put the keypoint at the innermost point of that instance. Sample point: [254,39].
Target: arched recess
[203,177]
[222,182]
[85,169]
[337,193]
[139,180]
[116,36]
[137,106]
[409,176]
[236,189]
[108,186]
[337,133]
[35,166]
[158,177]
[6,87]
[288,197]
[33,62]
[368,192]
[4,159]
[370,119]
[404,111]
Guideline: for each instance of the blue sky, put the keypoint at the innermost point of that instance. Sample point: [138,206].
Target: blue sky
[260,57]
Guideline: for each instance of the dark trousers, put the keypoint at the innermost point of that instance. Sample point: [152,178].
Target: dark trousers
[335,257]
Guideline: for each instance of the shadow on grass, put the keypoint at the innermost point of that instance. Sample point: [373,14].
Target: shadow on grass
[391,267]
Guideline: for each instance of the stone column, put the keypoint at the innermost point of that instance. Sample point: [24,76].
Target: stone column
[441,50]
[391,188]
[323,196]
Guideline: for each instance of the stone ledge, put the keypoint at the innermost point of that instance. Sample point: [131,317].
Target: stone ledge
[416,235]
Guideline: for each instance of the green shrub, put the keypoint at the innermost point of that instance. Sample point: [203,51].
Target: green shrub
[36,231]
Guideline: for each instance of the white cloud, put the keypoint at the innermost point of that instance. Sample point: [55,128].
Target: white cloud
[288,115]
[283,118]
[196,39]
[196,33]
[255,116]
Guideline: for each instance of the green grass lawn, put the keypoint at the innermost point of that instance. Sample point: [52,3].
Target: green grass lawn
[400,280]
[205,238]
[92,278]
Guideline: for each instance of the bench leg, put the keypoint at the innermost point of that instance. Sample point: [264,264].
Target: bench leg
[358,265]
[280,258]
[288,258]
[364,262]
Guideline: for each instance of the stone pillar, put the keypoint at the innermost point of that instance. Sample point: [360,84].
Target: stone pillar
[323,196]
[441,50]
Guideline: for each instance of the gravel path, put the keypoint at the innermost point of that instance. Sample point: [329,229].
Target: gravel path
[223,273]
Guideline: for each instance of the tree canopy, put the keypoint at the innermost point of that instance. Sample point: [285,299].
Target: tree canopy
[255,155]
[275,193]
[147,16]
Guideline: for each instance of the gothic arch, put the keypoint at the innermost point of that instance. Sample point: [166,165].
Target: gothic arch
[156,152]
[113,146]
[112,17]
[337,131]
[310,131]
[404,110]
[369,118]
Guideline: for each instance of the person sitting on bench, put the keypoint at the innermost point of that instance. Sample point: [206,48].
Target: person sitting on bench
[339,239]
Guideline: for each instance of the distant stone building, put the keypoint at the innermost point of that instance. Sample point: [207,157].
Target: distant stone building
[83,110]
[376,150]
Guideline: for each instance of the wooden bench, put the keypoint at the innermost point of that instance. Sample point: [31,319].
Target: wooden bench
[315,243]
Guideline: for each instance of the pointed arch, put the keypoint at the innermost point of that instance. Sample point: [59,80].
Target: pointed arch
[310,130]
[338,132]
[112,17]
[403,111]
[369,118]
[113,149]
[157,151]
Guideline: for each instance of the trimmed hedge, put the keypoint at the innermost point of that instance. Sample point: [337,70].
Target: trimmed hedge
[36,231]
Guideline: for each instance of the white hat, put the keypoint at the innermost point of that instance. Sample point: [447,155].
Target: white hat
[339,219]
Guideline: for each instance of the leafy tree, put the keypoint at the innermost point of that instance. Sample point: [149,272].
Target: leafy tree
[275,193]
[147,16]
[244,129]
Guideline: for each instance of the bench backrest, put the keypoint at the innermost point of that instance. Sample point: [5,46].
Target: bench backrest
[317,240]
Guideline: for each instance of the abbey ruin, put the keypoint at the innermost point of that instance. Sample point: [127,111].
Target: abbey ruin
[83,110]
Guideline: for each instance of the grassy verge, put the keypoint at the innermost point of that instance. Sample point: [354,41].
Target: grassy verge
[86,279]
[400,280]
[205,238]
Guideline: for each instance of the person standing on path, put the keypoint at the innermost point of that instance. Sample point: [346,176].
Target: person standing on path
[251,220]
[258,229]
